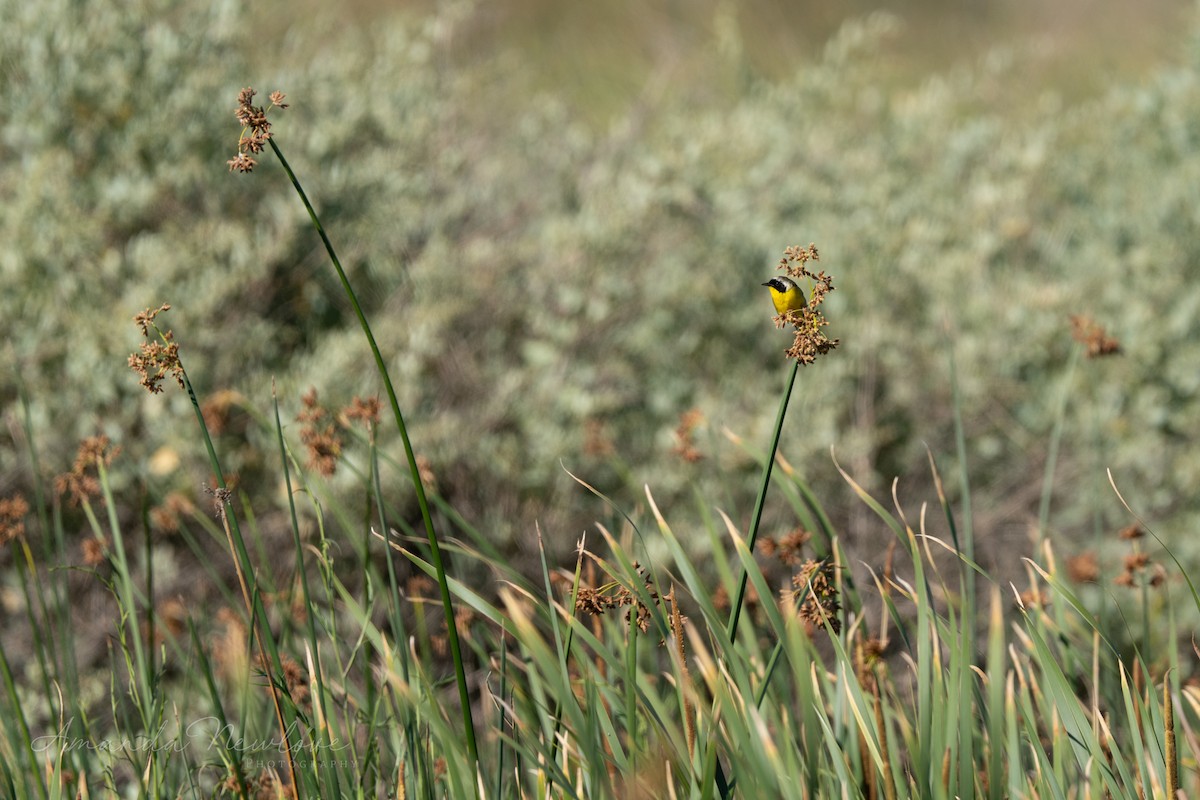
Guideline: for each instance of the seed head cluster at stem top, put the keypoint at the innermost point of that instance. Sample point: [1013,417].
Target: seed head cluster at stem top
[256,129]
[808,320]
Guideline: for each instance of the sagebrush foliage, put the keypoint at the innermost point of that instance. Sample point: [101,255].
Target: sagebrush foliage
[543,288]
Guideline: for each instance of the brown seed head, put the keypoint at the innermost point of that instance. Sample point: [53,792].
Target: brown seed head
[256,129]
[1084,568]
[166,516]
[12,517]
[815,588]
[429,481]
[685,436]
[596,440]
[80,483]
[94,550]
[1136,561]
[155,360]
[319,435]
[364,411]
[1093,337]
[1131,532]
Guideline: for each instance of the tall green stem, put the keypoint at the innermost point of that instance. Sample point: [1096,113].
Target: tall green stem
[736,611]
[434,547]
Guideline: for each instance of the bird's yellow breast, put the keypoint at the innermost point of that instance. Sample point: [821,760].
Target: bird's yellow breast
[790,299]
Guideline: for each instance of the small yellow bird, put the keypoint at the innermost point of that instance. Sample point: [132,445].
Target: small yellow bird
[785,294]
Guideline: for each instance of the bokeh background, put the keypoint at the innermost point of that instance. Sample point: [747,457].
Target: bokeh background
[558,216]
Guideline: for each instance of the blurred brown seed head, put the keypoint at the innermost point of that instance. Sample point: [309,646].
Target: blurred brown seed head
[81,483]
[789,548]
[295,678]
[218,410]
[685,436]
[95,549]
[428,477]
[167,515]
[364,411]
[596,439]
[12,517]
[1131,532]
[1032,598]
[1093,337]
[1136,561]
[1084,568]
[319,435]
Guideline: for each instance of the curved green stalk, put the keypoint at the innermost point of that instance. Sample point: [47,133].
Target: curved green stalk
[422,502]
[736,610]
[713,775]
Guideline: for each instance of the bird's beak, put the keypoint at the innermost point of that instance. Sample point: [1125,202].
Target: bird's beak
[768,283]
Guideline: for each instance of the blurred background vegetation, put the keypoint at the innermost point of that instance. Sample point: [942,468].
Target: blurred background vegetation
[559,215]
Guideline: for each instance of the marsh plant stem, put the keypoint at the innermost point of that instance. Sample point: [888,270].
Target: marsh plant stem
[752,535]
[434,548]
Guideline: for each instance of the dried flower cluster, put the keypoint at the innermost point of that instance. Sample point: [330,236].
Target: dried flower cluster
[868,653]
[1131,533]
[80,483]
[173,614]
[154,361]
[95,550]
[256,129]
[1093,337]
[685,436]
[788,548]
[319,435]
[265,785]
[295,679]
[229,646]
[12,517]
[428,477]
[814,587]
[750,601]
[1084,567]
[808,321]
[464,619]
[218,410]
[1138,568]
[166,516]
[599,601]
[1033,598]
[364,411]
[596,439]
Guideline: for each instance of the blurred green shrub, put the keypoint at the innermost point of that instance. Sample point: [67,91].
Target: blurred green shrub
[549,293]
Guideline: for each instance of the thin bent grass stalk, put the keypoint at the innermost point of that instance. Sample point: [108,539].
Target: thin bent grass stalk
[434,547]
